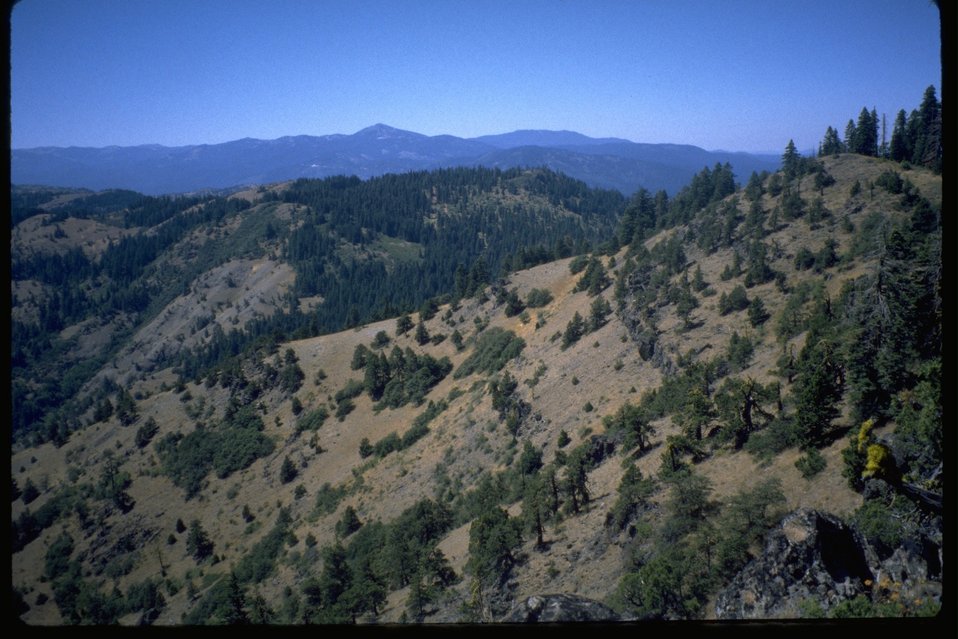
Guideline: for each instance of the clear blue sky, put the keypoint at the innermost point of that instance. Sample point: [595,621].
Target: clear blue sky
[721,74]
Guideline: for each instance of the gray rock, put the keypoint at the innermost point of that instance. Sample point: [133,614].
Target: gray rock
[559,609]
[811,555]
[815,556]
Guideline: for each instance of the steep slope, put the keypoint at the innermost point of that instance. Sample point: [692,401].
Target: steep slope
[407,460]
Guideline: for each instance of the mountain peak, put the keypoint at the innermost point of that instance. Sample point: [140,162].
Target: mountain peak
[383,131]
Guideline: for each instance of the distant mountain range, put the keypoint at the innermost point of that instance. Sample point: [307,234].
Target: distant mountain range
[153,169]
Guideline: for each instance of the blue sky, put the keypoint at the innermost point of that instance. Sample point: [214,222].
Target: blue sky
[720,74]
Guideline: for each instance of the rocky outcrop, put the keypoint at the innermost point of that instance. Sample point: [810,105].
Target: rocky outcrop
[559,609]
[814,556]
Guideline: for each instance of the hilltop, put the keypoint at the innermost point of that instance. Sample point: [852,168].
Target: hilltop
[621,404]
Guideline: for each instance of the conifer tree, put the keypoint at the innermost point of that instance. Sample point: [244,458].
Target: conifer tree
[927,144]
[831,144]
[818,391]
[598,312]
[899,149]
[288,471]
[198,543]
[791,161]
[851,137]
[422,335]
[404,324]
[573,331]
[235,614]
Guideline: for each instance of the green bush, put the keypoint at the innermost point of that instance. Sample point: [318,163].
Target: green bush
[146,432]
[778,436]
[312,420]
[578,264]
[736,300]
[811,463]
[235,449]
[387,444]
[328,498]
[537,298]
[288,471]
[232,445]
[57,558]
[494,348]
[351,390]
[739,352]
[344,408]
[259,562]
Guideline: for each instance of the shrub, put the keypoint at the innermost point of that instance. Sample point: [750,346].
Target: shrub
[739,352]
[779,435]
[57,558]
[736,300]
[493,349]
[344,408]
[811,463]
[312,420]
[381,340]
[537,298]
[757,315]
[890,181]
[387,444]
[198,543]
[328,498]
[288,472]
[30,492]
[578,264]
[146,432]
[365,448]
[237,448]
[353,388]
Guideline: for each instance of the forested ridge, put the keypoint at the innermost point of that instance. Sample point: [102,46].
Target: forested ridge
[476,386]
[453,230]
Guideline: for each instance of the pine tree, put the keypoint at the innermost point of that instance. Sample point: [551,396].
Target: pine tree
[422,335]
[818,391]
[235,614]
[831,144]
[535,507]
[404,324]
[791,161]
[494,537]
[899,149]
[598,312]
[573,331]
[126,410]
[633,493]
[866,133]
[851,137]
[927,146]
[288,471]
[198,543]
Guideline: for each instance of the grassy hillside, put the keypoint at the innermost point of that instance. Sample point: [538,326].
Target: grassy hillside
[624,425]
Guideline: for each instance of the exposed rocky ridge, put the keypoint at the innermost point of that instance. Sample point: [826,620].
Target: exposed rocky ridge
[814,555]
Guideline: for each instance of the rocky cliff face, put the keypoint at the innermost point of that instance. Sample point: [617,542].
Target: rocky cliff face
[814,556]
